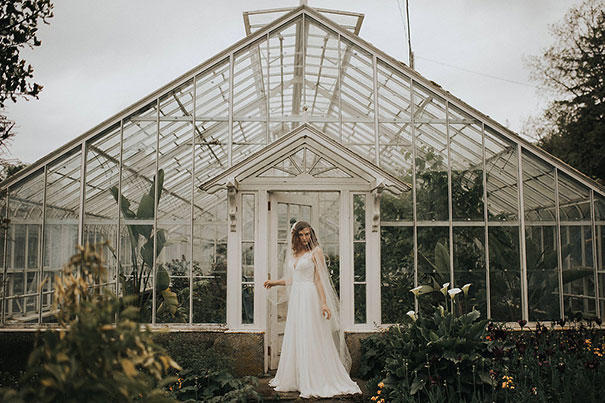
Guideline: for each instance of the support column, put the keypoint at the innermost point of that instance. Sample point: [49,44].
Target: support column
[234,268]
[346,261]
[373,308]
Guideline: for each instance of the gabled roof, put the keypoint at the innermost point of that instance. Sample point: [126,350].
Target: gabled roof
[306,156]
[431,92]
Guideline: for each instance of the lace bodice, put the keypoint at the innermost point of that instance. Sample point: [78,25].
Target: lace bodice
[303,268]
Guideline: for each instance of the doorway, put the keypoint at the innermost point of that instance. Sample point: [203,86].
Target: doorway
[321,210]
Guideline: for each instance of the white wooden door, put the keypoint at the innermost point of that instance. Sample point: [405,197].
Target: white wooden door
[284,209]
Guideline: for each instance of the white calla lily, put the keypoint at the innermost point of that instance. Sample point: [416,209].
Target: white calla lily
[465,288]
[421,289]
[444,288]
[453,292]
[412,315]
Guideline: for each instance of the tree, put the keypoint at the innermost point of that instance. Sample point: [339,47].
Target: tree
[573,69]
[18,28]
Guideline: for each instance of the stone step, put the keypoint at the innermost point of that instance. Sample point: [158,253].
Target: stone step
[270,395]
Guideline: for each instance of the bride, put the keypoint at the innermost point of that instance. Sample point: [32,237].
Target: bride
[314,357]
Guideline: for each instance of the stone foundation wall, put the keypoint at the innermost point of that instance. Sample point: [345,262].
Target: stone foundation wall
[246,348]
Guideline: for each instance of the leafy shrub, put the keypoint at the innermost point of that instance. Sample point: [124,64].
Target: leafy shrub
[549,364]
[95,360]
[432,358]
[207,373]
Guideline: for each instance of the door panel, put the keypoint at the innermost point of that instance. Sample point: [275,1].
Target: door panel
[284,210]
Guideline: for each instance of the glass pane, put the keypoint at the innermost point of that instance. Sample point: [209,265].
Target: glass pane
[542,272]
[396,272]
[138,189]
[578,272]
[360,303]
[394,116]
[62,213]
[501,162]
[359,261]
[505,273]
[173,268]
[212,92]
[178,102]
[23,249]
[600,229]
[100,205]
[574,199]
[433,264]
[396,208]
[431,155]
[329,233]
[173,253]
[247,303]
[285,78]
[469,268]
[466,152]
[357,83]
[359,216]
[248,217]
[538,190]
[210,258]
[321,72]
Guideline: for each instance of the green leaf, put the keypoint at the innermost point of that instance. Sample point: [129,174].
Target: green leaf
[442,258]
[576,273]
[417,385]
[171,300]
[485,378]
[163,279]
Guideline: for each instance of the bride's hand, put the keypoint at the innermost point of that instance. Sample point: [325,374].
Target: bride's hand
[325,311]
[268,284]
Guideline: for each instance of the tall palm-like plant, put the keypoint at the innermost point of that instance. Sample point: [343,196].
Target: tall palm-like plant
[142,238]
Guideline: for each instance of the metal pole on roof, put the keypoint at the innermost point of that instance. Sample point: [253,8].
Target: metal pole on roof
[410,53]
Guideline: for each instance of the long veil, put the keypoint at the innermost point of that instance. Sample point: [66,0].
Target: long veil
[281,295]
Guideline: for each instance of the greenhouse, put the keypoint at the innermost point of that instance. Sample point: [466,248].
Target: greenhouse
[406,184]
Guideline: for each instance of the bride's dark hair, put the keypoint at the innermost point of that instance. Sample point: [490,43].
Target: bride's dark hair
[297,244]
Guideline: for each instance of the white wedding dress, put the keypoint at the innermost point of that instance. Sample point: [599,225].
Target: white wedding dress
[309,360]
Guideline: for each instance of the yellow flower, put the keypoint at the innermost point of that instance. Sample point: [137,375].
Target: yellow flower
[381,401]
[374,398]
[378,391]
[381,385]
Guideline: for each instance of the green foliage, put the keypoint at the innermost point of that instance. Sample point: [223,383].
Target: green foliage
[436,356]
[92,358]
[208,374]
[572,127]
[548,364]
[18,28]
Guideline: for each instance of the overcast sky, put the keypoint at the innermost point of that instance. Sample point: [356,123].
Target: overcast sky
[99,57]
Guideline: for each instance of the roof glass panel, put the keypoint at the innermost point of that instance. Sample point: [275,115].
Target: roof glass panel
[102,175]
[177,103]
[538,189]
[212,92]
[63,187]
[501,173]
[357,83]
[574,199]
